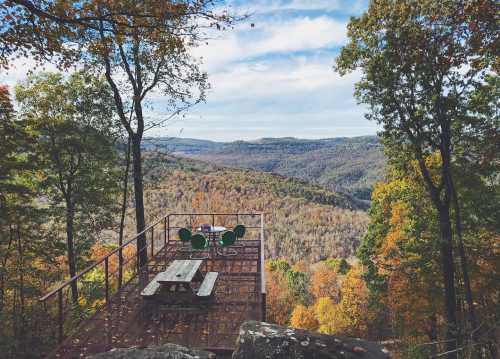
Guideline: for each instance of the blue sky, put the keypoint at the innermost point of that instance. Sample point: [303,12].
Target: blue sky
[274,79]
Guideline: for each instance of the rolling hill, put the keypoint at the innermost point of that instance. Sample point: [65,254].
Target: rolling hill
[304,221]
[351,165]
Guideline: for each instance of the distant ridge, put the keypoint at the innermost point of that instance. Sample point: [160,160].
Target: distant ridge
[349,164]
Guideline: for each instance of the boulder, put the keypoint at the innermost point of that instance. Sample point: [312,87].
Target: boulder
[166,351]
[269,341]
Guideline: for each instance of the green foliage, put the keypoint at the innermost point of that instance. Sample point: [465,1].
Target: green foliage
[296,281]
[72,120]
[280,265]
[343,266]
[57,182]
[340,265]
[424,68]
[298,286]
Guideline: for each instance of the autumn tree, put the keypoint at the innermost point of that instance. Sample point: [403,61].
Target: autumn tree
[72,120]
[27,246]
[303,317]
[142,47]
[326,312]
[400,252]
[422,63]
[286,288]
[324,283]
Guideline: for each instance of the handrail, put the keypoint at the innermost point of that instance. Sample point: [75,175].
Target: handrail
[114,251]
[101,260]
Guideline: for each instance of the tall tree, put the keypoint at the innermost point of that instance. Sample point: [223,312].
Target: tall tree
[141,46]
[73,122]
[422,62]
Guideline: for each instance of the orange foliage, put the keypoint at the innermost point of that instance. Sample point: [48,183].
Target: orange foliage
[279,298]
[324,283]
[304,318]
[99,250]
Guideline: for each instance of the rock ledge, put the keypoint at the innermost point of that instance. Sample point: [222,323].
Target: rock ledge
[166,351]
[269,341]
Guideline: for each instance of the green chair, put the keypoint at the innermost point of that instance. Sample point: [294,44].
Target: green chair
[185,237]
[239,231]
[227,239]
[199,243]
[184,234]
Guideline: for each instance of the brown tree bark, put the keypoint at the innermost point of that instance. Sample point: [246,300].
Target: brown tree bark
[123,212]
[448,270]
[463,259]
[442,205]
[70,215]
[139,201]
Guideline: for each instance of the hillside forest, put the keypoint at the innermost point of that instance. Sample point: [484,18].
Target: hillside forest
[418,270]
[350,165]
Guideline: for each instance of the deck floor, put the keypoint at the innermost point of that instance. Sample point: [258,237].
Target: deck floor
[131,321]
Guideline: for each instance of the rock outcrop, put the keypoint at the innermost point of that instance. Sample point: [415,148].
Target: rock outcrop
[166,351]
[259,340]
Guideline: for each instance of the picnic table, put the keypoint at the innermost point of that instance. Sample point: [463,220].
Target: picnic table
[181,282]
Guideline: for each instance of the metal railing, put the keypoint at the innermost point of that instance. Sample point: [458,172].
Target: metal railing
[105,278]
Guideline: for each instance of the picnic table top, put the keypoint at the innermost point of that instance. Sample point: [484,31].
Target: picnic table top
[180,271]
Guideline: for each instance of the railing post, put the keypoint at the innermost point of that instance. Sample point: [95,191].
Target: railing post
[165,233]
[152,242]
[60,315]
[262,268]
[120,267]
[106,276]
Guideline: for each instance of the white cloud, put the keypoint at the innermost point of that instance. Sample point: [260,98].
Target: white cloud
[274,79]
[272,37]
[20,69]
[266,6]
[277,79]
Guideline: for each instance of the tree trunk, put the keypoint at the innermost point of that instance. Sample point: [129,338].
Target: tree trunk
[70,215]
[463,259]
[123,212]
[22,324]
[139,201]
[433,334]
[3,270]
[448,269]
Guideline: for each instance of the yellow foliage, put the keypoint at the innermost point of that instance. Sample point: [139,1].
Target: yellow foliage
[354,316]
[326,312]
[304,318]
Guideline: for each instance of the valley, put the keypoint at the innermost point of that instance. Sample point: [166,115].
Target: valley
[350,165]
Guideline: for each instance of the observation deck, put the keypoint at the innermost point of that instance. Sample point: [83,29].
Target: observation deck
[110,312]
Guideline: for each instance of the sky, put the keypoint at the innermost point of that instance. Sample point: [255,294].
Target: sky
[273,79]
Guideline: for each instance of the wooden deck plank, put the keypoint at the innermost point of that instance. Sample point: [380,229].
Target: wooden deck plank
[125,322]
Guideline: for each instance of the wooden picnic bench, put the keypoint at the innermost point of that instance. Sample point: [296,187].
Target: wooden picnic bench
[207,285]
[179,278]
